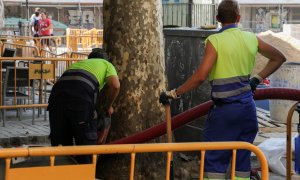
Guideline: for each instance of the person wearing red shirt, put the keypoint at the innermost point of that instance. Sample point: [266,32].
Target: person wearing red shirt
[45,26]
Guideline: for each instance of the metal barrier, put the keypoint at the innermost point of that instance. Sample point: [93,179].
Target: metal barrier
[60,66]
[188,14]
[87,171]
[83,38]
[22,49]
[55,42]
[289,171]
[81,55]
[40,69]
[76,40]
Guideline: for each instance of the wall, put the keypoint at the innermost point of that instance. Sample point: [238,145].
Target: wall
[184,48]
[174,1]
[186,14]
[262,18]
[69,16]
[187,1]
[292,30]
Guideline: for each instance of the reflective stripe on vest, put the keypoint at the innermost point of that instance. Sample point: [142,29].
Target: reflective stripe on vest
[94,85]
[211,175]
[217,176]
[242,175]
[228,87]
[78,78]
[90,75]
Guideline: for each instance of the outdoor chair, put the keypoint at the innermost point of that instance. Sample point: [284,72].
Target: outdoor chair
[8,52]
[23,87]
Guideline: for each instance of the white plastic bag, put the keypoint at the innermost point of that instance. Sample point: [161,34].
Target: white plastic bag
[275,152]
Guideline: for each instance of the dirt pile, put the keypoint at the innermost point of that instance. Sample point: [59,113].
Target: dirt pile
[288,45]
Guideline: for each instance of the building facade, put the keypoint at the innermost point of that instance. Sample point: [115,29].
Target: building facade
[71,13]
[189,13]
[263,15]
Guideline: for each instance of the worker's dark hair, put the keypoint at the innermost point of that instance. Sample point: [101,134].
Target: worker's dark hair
[98,53]
[228,10]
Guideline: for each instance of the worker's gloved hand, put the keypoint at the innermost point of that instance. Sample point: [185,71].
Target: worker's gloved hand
[166,97]
[254,82]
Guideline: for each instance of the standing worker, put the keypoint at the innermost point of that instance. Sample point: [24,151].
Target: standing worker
[228,60]
[73,100]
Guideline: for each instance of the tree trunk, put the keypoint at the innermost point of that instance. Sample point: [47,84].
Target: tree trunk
[133,38]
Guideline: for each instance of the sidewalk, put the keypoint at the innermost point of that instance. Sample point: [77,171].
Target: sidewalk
[16,132]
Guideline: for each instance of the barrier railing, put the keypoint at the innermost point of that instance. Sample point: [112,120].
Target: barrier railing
[87,171]
[80,55]
[60,66]
[290,173]
[83,39]
[38,42]
[22,49]
[17,83]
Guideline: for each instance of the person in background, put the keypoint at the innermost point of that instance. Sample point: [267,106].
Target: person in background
[228,61]
[51,30]
[34,22]
[45,26]
[73,101]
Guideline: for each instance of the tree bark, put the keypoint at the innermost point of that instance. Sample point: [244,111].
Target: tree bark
[133,38]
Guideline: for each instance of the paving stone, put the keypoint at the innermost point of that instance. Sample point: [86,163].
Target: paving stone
[5,142]
[18,141]
[17,133]
[38,140]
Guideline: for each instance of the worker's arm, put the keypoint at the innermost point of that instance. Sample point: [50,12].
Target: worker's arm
[276,58]
[111,93]
[208,60]
[50,25]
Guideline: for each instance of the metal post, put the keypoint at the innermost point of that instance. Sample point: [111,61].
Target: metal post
[80,15]
[214,12]
[190,13]
[28,25]
[298,110]
[297,144]
[27,9]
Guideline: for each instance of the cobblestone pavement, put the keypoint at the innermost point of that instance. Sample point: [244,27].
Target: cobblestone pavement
[18,132]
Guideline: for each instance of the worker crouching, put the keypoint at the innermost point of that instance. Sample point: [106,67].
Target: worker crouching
[74,97]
